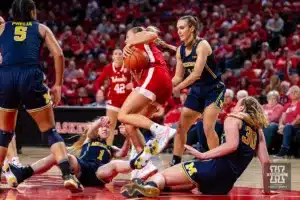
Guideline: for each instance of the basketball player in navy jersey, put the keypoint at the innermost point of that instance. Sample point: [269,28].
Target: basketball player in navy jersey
[21,82]
[196,69]
[215,172]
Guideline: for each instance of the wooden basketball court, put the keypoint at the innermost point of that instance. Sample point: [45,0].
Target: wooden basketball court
[49,185]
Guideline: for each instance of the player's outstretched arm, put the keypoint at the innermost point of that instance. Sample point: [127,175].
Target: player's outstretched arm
[92,132]
[143,37]
[231,128]
[263,156]
[121,153]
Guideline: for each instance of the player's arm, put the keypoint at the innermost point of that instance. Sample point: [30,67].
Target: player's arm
[100,80]
[231,128]
[263,156]
[92,132]
[56,51]
[143,37]
[203,51]
[165,45]
[179,73]
[121,153]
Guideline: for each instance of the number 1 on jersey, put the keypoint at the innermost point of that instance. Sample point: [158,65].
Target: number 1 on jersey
[20,33]
[100,157]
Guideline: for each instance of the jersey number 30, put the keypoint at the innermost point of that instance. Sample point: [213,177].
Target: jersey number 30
[250,138]
[20,33]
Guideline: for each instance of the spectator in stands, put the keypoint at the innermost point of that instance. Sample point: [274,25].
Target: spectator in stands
[100,100]
[273,85]
[245,84]
[273,111]
[268,71]
[290,120]
[275,24]
[71,72]
[241,94]
[294,78]
[284,88]
[227,105]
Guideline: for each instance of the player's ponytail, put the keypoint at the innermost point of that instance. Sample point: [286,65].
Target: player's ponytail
[192,21]
[255,111]
[22,10]
[76,147]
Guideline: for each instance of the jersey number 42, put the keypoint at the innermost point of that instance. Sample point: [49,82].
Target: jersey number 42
[120,88]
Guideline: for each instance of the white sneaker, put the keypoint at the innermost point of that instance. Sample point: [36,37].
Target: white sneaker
[161,140]
[16,162]
[145,172]
[9,176]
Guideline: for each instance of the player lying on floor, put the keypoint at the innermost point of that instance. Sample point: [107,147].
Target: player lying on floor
[215,171]
[94,166]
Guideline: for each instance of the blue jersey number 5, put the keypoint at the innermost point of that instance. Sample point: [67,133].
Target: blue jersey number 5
[20,33]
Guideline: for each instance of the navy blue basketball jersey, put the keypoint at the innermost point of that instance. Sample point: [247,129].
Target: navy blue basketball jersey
[210,73]
[96,150]
[248,141]
[21,43]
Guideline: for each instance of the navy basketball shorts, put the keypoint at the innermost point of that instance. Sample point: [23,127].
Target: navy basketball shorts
[88,171]
[23,86]
[201,96]
[212,177]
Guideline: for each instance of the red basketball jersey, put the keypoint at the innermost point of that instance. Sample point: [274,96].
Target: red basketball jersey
[156,57]
[118,79]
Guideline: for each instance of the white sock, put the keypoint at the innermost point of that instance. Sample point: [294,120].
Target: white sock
[156,128]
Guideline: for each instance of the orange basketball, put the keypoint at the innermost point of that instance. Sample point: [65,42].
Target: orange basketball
[137,60]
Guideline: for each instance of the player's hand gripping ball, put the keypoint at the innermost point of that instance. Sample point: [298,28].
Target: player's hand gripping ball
[137,61]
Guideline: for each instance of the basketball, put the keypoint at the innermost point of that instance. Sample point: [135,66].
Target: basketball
[137,60]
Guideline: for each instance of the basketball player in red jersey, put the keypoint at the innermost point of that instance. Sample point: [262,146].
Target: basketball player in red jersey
[154,87]
[120,86]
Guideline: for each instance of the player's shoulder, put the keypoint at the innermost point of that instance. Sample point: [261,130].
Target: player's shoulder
[204,44]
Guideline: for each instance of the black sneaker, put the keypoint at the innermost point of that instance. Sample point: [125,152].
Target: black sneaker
[71,183]
[13,175]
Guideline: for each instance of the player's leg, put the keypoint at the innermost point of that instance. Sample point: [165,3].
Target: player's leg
[110,170]
[37,101]
[19,174]
[45,120]
[129,113]
[173,176]
[7,127]
[113,117]
[210,116]
[12,150]
[187,118]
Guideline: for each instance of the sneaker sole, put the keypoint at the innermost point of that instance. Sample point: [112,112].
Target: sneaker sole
[70,186]
[135,190]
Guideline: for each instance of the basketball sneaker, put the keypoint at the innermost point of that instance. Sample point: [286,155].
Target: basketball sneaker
[145,172]
[138,189]
[153,147]
[71,183]
[13,174]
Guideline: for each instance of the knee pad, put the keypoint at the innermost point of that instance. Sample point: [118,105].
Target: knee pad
[53,136]
[5,138]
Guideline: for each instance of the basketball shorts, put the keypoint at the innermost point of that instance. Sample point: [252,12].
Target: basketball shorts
[155,84]
[201,96]
[23,85]
[88,171]
[212,177]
